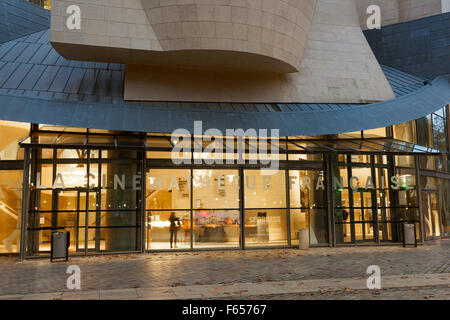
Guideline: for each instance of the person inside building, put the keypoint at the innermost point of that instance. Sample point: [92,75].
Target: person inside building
[174,227]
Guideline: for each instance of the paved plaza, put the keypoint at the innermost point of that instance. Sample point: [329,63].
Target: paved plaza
[319,273]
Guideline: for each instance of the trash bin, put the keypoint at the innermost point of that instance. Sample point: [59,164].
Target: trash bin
[409,234]
[303,239]
[60,245]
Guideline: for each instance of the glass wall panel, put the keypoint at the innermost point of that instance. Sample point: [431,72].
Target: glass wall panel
[427,162]
[216,228]
[70,176]
[406,132]
[308,205]
[375,133]
[425,131]
[360,158]
[299,220]
[265,191]
[265,227]
[168,189]
[216,189]
[121,202]
[10,210]
[439,132]
[318,226]
[405,161]
[168,230]
[103,217]
[11,133]
[373,200]
[444,201]
[307,189]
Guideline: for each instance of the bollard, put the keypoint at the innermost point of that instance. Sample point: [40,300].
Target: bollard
[303,239]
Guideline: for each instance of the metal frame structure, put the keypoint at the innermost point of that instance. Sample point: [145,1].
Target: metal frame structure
[87,140]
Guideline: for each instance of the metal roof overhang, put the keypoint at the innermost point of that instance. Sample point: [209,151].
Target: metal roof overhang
[127,117]
[78,140]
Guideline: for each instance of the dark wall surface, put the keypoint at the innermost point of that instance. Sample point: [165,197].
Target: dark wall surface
[420,47]
[19,18]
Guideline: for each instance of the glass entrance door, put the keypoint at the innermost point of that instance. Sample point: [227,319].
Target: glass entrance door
[431,215]
[70,214]
[362,216]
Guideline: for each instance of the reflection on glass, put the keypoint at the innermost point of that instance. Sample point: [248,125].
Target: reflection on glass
[168,230]
[444,201]
[405,161]
[11,133]
[265,227]
[439,132]
[216,228]
[360,158]
[10,210]
[168,189]
[299,220]
[215,189]
[375,133]
[265,191]
[406,132]
[432,223]
[425,131]
[307,189]
[364,231]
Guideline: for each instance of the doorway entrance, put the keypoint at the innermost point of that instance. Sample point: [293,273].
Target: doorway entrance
[431,215]
[72,211]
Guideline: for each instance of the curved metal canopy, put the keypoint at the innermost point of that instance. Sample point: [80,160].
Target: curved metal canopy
[124,117]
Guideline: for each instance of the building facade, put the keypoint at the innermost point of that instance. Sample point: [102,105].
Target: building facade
[118,132]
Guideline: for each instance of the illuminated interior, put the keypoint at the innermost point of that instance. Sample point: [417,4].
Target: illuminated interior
[214,206]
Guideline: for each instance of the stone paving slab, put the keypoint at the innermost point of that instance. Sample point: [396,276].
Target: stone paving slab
[243,290]
[407,293]
[82,295]
[119,294]
[167,272]
[165,293]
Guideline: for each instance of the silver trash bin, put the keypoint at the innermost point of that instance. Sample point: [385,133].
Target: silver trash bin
[303,239]
[60,245]
[409,234]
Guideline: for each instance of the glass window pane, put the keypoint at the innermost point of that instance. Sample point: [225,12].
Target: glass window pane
[216,228]
[168,189]
[168,230]
[265,227]
[406,132]
[405,161]
[380,132]
[425,132]
[265,191]
[70,176]
[444,202]
[216,189]
[299,220]
[439,133]
[307,189]
[10,210]
[11,133]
